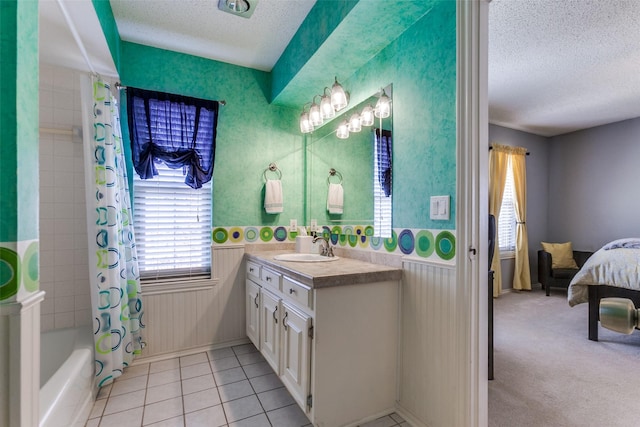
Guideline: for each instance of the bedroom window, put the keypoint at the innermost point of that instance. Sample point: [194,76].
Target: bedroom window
[173,149]
[507,220]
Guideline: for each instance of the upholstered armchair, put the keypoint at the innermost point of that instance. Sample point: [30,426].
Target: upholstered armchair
[558,277]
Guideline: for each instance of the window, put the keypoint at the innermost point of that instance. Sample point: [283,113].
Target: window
[382,202]
[507,221]
[173,150]
[173,226]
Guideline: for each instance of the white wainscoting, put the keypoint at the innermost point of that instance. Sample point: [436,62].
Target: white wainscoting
[184,316]
[428,366]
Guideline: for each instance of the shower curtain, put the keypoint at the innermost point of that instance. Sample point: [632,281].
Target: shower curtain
[113,267]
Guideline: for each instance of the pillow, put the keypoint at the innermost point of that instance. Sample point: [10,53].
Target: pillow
[561,255]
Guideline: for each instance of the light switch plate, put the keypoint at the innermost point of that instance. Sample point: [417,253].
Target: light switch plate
[313,226]
[293,225]
[440,207]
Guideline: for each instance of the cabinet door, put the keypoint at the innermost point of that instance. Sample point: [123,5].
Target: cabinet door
[296,353]
[270,328]
[252,304]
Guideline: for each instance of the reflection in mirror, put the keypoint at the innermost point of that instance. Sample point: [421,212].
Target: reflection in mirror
[362,163]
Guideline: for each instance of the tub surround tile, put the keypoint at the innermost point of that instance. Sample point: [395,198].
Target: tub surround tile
[161,411]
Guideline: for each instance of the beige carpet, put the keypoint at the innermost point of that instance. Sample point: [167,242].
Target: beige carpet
[547,373]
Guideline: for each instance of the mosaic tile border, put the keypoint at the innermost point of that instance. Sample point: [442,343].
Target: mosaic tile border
[434,244]
[19,269]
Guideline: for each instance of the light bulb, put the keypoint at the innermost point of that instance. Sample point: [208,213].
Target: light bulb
[383,106]
[314,115]
[366,117]
[343,130]
[305,123]
[338,96]
[327,110]
[354,123]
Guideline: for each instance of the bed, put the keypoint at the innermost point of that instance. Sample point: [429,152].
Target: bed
[612,271]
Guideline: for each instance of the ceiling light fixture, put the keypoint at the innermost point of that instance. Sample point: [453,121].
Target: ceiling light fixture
[242,8]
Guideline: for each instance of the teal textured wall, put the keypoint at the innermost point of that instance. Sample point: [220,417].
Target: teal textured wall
[421,64]
[19,120]
[109,28]
[251,133]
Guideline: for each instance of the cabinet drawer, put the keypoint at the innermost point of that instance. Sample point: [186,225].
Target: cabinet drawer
[297,292]
[270,278]
[253,270]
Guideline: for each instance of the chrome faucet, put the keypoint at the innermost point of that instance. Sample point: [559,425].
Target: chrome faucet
[326,249]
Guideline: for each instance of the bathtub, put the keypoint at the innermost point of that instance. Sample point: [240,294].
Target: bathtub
[67,390]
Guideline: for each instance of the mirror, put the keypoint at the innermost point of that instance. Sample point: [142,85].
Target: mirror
[361,167]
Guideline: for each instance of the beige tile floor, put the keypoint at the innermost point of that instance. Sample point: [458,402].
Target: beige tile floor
[231,387]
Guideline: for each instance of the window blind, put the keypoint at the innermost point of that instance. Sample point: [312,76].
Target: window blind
[382,204]
[507,220]
[173,226]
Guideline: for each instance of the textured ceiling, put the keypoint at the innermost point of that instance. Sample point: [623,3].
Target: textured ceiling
[198,27]
[559,66]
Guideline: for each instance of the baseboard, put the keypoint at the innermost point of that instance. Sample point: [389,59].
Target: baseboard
[189,351]
[409,417]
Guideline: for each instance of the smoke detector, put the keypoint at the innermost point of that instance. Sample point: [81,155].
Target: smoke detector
[242,8]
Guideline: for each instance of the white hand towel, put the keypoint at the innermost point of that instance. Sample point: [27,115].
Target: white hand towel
[335,199]
[273,196]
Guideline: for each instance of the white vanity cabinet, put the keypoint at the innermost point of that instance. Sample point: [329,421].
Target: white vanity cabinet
[270,329]
[296,352]
[332,340]
[252,309]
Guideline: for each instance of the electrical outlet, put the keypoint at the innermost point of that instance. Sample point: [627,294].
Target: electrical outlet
[314,225]
[293,225]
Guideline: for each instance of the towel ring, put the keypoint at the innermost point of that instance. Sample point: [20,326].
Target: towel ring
[333,172]
[273,168]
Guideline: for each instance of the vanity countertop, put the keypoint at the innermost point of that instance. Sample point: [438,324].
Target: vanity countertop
[343,271]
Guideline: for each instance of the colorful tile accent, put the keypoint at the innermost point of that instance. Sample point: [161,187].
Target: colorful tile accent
[19,269]
[435,244]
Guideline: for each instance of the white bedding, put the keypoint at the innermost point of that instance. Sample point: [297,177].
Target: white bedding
[619,267]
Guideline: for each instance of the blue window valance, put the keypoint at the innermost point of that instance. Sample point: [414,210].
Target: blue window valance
[384,146]
[177,130]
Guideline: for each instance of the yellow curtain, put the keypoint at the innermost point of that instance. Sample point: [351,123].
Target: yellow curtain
[498,161]
[521,275]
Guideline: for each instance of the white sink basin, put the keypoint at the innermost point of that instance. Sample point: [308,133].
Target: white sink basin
[296,257]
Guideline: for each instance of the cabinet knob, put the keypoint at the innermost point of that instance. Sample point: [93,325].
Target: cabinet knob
[284,320]
[275,318]
[268,278]
[292,291]
[251,270]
